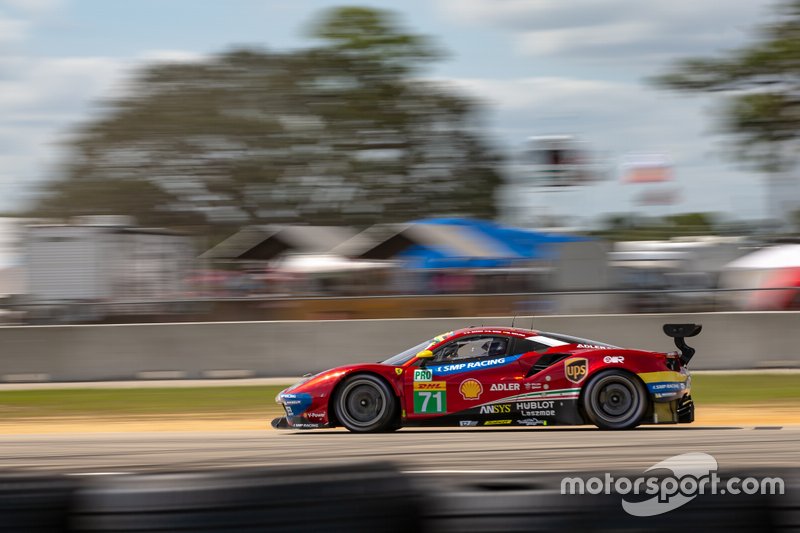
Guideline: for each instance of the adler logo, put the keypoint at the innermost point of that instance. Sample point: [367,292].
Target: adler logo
[576,368]
[506,387]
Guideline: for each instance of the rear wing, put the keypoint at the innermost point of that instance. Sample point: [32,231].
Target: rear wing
[679,332]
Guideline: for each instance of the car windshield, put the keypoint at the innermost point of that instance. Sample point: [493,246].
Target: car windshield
[406,355]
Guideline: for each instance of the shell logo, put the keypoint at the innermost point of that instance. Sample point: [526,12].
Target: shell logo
[471,389]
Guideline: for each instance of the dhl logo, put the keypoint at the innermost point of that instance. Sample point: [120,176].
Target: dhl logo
[430,385]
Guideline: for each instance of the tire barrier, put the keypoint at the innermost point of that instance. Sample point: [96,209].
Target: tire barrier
[341,498]
[517,506]
[35,503]
[372,497]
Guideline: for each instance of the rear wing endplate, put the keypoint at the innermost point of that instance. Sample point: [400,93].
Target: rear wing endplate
[679,332]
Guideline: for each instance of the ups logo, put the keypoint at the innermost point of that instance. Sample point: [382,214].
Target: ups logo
[576,369]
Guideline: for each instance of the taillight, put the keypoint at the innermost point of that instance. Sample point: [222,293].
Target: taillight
[673,360]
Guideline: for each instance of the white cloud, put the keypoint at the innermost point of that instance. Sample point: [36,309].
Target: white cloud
[34,7]
[580,70]
[544,93]
[40,99]
[613,30]
[12,30]
[170,56]
[616,118]
[563,40]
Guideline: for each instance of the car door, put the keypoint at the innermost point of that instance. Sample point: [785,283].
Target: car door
[462,375]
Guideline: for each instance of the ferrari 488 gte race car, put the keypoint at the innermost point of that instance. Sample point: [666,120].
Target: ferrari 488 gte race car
[500,376]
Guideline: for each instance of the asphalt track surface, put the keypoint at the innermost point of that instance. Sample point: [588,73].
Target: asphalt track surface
[468,451]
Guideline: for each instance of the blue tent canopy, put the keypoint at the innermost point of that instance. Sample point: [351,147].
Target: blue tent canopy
[502,246]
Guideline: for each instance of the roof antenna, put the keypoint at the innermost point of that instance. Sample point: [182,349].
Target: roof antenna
[532,317]
[512,320]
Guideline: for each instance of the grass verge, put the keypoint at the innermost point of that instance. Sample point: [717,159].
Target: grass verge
[249,401]
[211,402]
[730,389]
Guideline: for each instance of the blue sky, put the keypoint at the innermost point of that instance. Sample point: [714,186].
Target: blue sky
[540,66]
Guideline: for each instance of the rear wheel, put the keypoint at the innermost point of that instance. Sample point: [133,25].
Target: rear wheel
[615,400]
[365,403]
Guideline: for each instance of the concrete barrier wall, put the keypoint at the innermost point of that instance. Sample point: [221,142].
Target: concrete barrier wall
[202,350]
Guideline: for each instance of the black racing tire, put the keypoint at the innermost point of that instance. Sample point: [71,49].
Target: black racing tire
[365,404]
[614,399]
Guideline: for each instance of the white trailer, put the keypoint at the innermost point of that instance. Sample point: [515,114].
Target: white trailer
[119,266]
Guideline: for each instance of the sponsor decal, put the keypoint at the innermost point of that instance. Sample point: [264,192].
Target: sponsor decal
[533,386]
[467,423]
[547,404]
[430,402]
[423,374]
[496,408]
[576,368]
[539,412]
[430,385]
[666,386]
[532,422]
[665,383]
[593,346]
[316,415]
[470,389]
[539,396]
[613,359]
[430,397]
[664,389]
[296,404]
[398,371]
[302,425]
[457,368]
[504,387]
[497,422]
[535,409]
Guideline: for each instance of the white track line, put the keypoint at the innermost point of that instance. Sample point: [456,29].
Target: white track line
[484,471]
[98,473]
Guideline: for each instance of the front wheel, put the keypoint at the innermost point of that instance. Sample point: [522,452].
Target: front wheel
[365,404]
[615,400]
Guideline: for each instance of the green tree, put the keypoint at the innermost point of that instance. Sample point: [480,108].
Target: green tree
[345,132]
[762,84]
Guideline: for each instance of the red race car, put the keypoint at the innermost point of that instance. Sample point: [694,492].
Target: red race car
[500,376]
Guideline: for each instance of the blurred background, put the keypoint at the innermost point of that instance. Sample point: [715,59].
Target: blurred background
[216,163]
[257,160]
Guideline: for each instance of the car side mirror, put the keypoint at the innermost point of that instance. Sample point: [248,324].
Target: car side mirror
[425,354]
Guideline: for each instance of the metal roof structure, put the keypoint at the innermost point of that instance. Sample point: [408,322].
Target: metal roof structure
[264,243]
